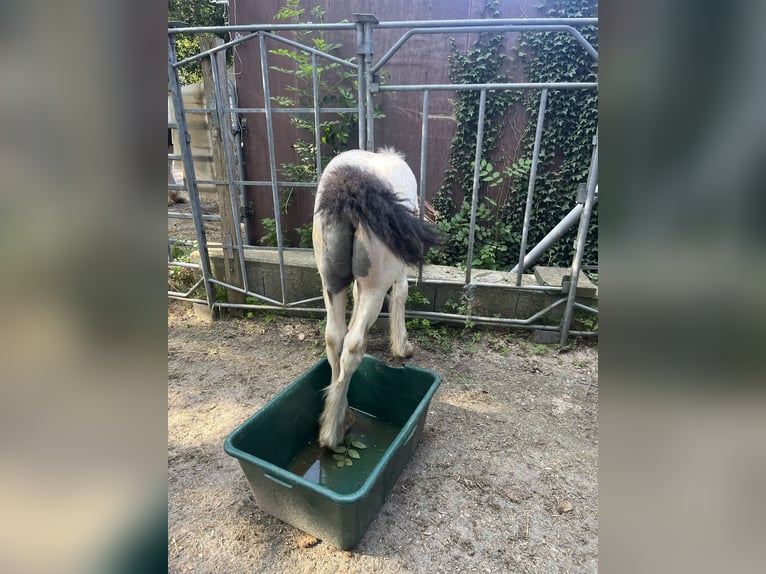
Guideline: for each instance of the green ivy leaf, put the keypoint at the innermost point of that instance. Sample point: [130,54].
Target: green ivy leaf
[352,453]
[359,444]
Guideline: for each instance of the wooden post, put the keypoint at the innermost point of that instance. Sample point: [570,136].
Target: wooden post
[220,136]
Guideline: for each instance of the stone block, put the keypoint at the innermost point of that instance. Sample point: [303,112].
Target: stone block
[541,337]
[560,277]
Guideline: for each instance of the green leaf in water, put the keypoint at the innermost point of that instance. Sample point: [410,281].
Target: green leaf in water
[339,449]
[358,444]
[352,453]
[340,463]
[349,462]
[339,457]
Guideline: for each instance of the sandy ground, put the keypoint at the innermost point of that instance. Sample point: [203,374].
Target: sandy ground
[511,436]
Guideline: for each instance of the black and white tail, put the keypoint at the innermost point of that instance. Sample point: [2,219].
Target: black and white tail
[352,196]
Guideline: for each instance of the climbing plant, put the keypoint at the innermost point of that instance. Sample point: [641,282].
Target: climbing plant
[570,124]
[482,63]
[194,13]
[337,87]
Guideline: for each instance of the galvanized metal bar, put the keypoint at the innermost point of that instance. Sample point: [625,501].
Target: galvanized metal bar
[553,235]
[423,161]
[237,133]
[545,288]
[187,293]
[245,292]
[443,317]
[179,215]
[195,157]
[292,110]
[189,299]
[584,43]
[304,301]
[260,28]
[531,186]
[497,320]
[253,183]
[586,308]
[173,263]
[287,249]
[496,22]
[490,87]
[310,50]
[272,163]
[475,194]
[241,39]
[317,132]
[182,242]
[382,25]
[191,181]
[199,110]
[485,27]
[582,233]
[369,81]
[361,94]
[224,123]
[195,57]
[424,153]
[437,27]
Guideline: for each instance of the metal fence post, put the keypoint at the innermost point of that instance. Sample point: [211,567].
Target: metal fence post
[317,123]
[235,271]
[273,164]
[582,233]
[531,187]
[424,153]
[191,180]
[361,78]
[364,23]
[476,173]
[370,82]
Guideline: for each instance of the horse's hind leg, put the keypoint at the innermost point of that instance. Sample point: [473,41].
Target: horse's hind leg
[400,346]
[335,330]
[366,309]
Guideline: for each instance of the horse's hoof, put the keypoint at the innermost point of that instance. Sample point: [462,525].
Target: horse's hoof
[408,352]
[329,442]
[350,420]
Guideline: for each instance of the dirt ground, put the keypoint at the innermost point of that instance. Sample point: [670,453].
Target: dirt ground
[511,437]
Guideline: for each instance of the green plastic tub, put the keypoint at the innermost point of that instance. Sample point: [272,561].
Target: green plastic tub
[298,483]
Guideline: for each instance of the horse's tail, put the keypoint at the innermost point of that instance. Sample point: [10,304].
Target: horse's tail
[355,196]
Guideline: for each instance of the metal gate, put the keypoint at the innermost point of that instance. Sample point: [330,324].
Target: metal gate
[225,117]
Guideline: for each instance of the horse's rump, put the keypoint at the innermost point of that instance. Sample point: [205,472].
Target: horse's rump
[351,196]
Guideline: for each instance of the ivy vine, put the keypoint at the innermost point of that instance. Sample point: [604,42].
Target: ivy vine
[337,87]
[570,124]
[483,63]
[571,120]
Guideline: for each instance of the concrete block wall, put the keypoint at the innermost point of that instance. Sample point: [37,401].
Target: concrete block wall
[495,293]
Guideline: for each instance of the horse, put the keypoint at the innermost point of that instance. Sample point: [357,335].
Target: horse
[366,230]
